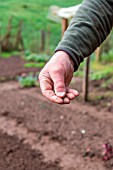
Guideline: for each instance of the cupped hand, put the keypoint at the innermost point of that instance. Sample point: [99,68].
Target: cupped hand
[55,78]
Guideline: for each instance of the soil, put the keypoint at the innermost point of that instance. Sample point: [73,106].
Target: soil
[37,134]
[12,67]
[16,155]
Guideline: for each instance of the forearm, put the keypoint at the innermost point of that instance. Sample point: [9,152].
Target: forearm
[88,29]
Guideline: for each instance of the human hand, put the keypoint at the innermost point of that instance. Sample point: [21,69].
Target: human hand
[55,78]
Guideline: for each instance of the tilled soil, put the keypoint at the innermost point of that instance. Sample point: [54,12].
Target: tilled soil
[36,134]
[17,156]
[59,136]
[12,67]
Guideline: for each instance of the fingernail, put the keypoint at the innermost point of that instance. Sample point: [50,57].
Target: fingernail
[61,94]
[66,100]
[56,99]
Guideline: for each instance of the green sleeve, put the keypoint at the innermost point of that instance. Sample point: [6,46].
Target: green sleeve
[88,29]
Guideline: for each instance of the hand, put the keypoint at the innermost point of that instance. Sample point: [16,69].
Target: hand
[55,78]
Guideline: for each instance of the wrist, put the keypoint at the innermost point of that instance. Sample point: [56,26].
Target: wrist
[66,56]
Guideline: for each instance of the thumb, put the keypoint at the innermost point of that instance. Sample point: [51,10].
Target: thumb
[59,84]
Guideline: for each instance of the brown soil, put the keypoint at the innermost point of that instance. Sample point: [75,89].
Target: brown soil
[13,67]
[17,156]
[36,134]
[56,131]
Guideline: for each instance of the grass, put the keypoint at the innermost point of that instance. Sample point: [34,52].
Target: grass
[33,64]
[8,54]
[107,57]
[34,15]
[36,57]
[28,81]
[98,70]
[106,83]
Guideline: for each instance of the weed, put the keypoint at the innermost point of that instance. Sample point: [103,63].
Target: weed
[100,71]
[107,83]
[33,64]
[101,74]
[37,57]
[28,81]
[107,57]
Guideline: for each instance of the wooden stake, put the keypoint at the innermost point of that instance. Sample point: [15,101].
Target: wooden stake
[43,35]
[98,53]
[86,79]
[0,41]
[48,40]
[64,25]
[6,45]
[19,39]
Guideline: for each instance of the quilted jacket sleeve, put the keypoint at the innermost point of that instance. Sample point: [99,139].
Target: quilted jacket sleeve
[88,29]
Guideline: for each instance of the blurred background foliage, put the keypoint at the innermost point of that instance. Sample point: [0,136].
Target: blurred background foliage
[33,14]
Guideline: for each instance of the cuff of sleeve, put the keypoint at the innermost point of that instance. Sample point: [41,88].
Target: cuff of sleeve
[72,56]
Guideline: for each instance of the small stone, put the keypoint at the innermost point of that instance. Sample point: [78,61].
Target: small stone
[61,117]
[83,131]
[109,104]
[84,112]
[22,103]
[73,132]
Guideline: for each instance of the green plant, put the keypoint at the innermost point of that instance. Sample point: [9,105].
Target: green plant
[78,73]
[37,57]
[34,19]
[9,54]
[100,71]
[27,52]
[28,81]
[107,57]
[33,64]
[106,83]
[101,74]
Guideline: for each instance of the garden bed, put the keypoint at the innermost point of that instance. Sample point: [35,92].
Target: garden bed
[61,134]
[12,67]
[36,134]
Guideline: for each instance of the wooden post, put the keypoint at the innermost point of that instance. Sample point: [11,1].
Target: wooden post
[6,45]
[0,41]
[48,40]
[19,39]
[98,53]
[64,25]
[86,79]
[43,40]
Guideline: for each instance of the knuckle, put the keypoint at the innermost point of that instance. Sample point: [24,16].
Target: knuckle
[59,86]
[57,69]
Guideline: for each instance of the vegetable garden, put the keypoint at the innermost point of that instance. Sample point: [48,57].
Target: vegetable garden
[36,134]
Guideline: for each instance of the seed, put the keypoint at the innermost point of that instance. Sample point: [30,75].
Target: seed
[73,132]
[61,117]
[83,131]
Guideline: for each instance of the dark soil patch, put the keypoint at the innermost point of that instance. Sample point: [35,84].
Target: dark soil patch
[36,134]
[12,67]
[17,156]
[100,92]
[57,130]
